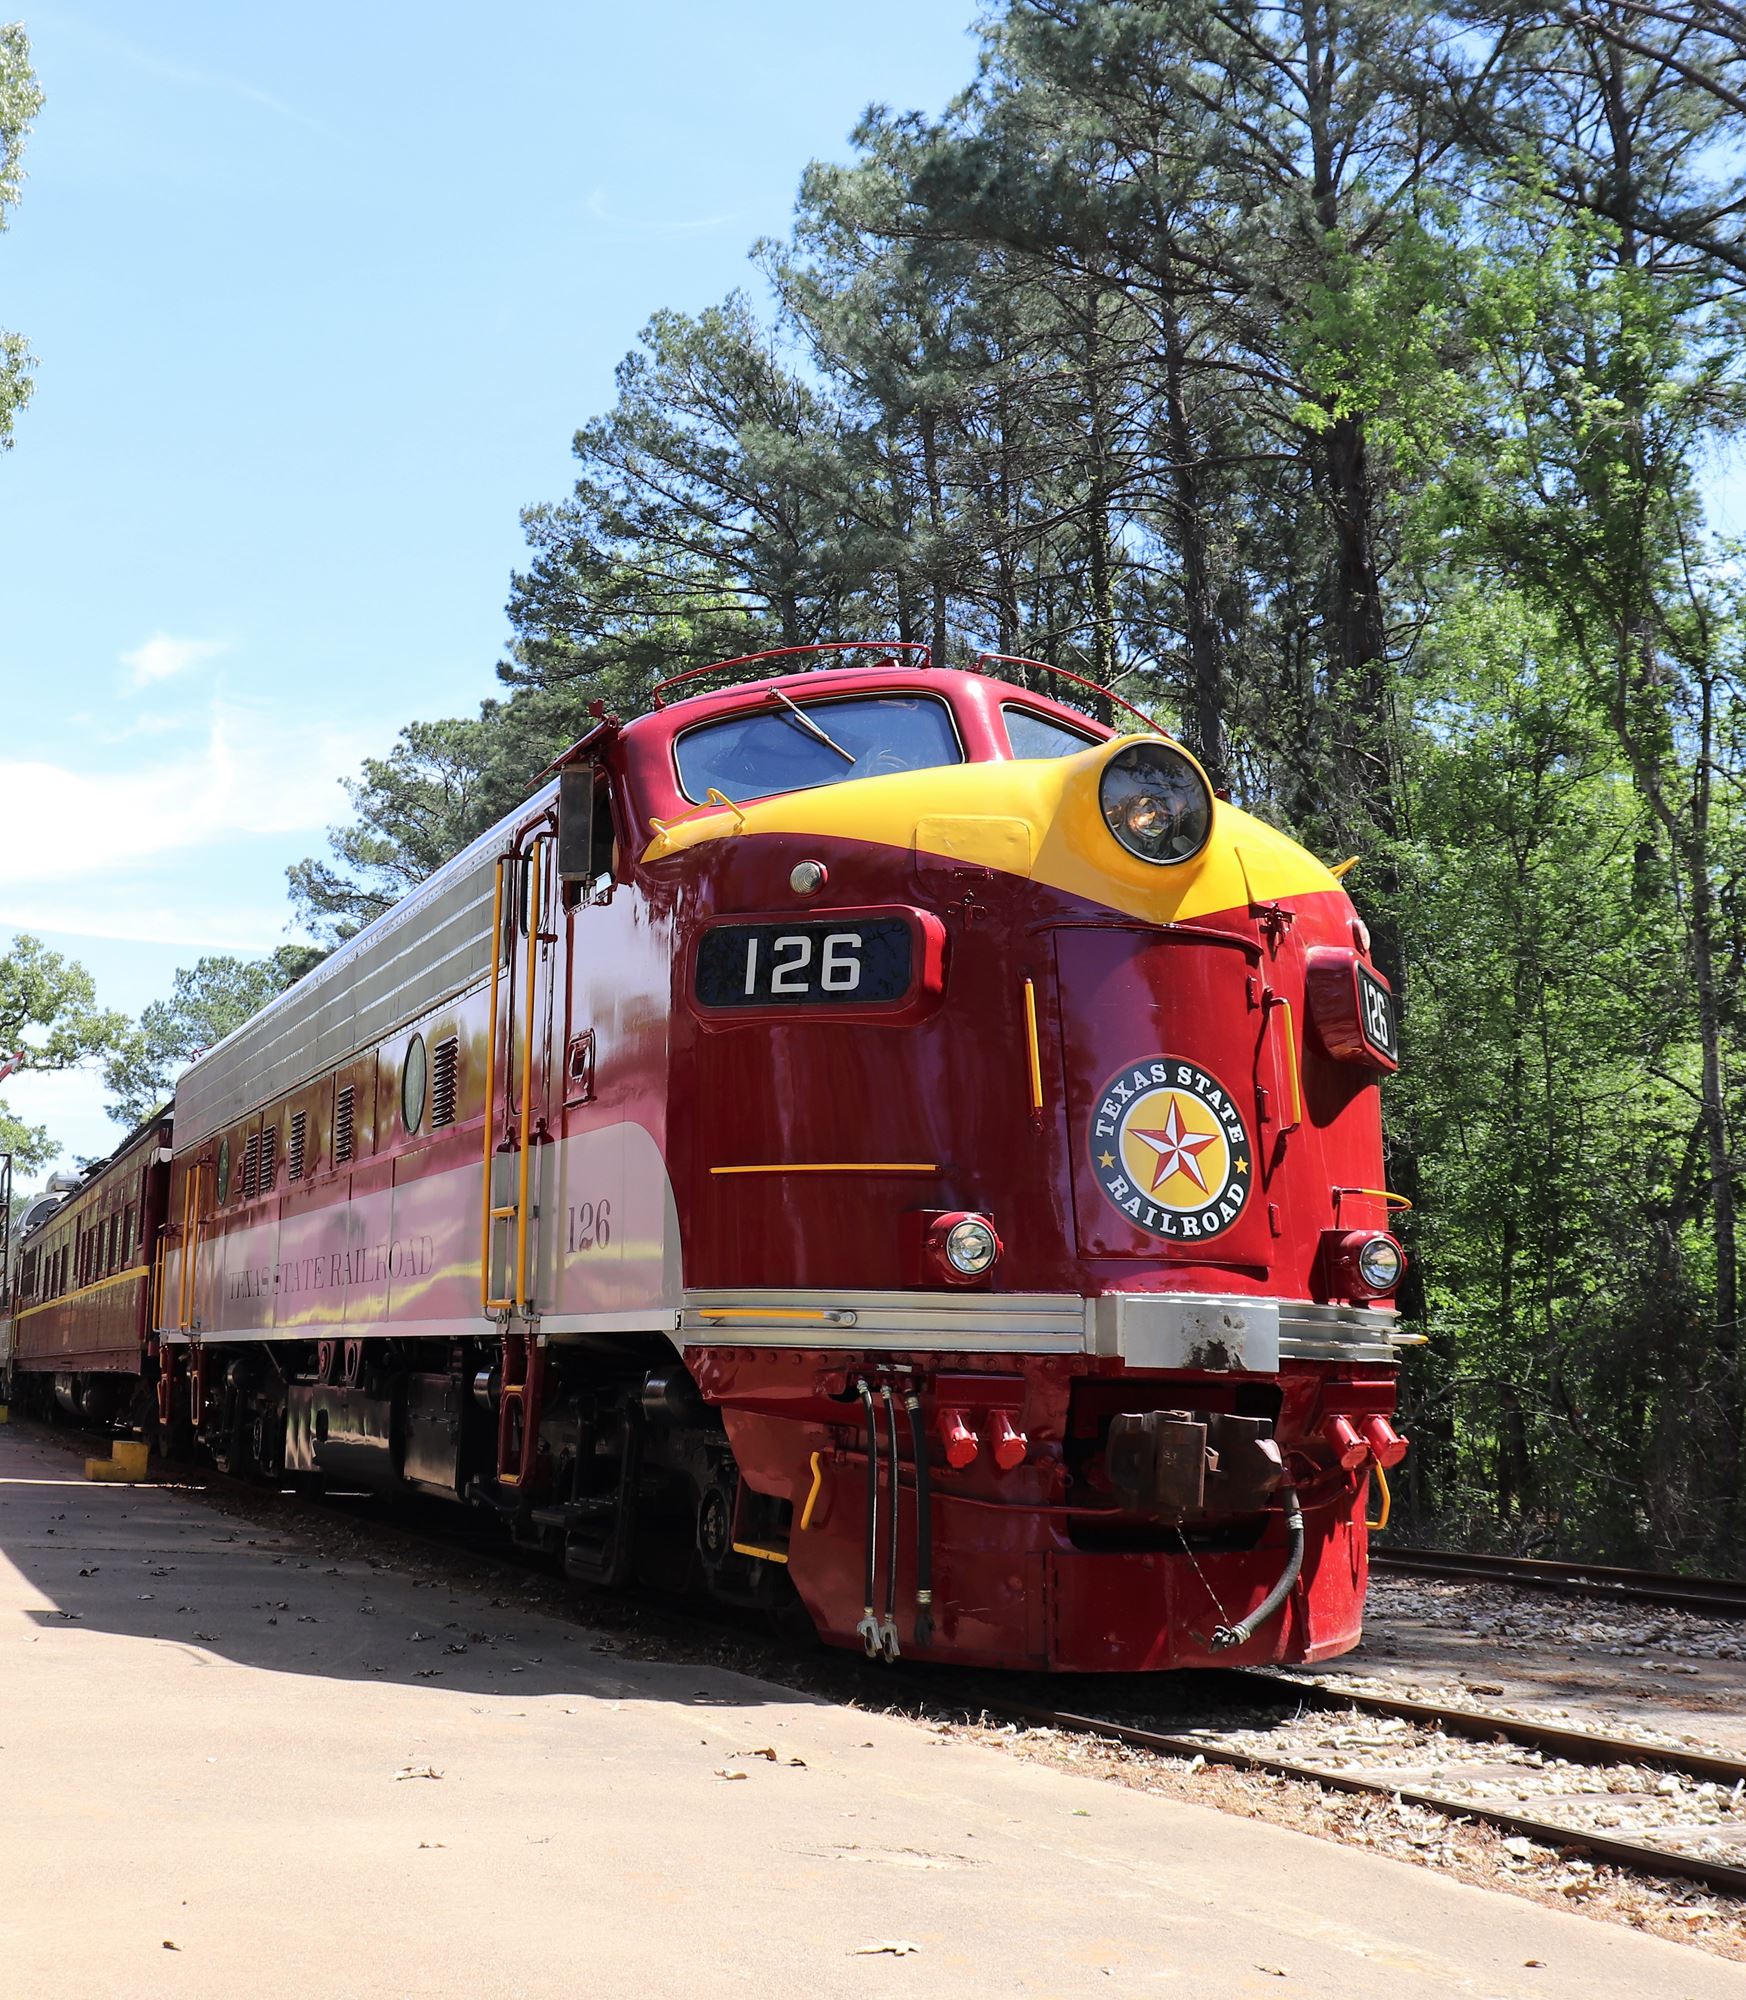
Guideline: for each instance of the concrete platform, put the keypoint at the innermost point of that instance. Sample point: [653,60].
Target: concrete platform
[343,1782]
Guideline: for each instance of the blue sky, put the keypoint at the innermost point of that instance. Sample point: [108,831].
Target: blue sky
[319,295]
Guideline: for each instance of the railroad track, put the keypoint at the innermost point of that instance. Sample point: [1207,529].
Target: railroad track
[1719,1597]
[1400,1778]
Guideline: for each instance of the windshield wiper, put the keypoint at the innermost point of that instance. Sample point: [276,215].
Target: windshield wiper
[812,728]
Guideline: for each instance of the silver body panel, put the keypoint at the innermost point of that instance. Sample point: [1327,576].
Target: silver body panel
[434,944]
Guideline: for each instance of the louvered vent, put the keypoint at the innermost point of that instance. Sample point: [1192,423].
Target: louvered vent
[445,1072]
[269,1159]
[251,1166]
[342,1126]
[299,1139]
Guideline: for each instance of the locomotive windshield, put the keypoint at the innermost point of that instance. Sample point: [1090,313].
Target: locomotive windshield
[783,746]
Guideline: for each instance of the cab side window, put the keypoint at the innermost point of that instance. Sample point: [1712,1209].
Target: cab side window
[1034,735]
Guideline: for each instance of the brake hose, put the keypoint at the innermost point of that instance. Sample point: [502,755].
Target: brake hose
[868,1629]
[924,1527]
[888,1631]
[1226,1636]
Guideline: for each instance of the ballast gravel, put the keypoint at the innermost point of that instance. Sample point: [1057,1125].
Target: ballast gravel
[1395,1827]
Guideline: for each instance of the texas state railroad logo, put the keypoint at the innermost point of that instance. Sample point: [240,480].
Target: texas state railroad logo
[1171,1149]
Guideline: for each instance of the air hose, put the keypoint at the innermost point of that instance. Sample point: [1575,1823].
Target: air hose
[868,1629]
[888,1631]
[1226,1636]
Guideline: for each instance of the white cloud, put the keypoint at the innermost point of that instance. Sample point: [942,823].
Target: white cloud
[161,657]
[118,913]
[254,773]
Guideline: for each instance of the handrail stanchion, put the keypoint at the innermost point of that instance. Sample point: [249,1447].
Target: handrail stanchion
[486,1232]
[527,1044]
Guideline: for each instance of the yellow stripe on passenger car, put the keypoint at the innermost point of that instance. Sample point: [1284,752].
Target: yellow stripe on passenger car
[85,1291]
[1072,849]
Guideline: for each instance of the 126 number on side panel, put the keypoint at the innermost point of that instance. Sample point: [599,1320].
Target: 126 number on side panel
[839,965]
[590,1225]
[804,964]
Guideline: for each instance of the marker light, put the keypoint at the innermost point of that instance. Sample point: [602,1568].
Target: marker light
[971,1246]
[807,878]
[1156,802]
[959,1440]
[1006,1442]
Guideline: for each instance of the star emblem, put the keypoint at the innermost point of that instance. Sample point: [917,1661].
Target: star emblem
[1176,1148]
[1106,1159]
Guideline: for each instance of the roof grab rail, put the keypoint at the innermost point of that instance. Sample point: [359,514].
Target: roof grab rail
[889,647]
[1078,680]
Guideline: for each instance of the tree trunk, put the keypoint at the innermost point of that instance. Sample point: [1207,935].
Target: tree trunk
[1206,665]
[936,533]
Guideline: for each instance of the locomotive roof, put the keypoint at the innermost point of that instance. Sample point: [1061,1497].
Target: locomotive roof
[394,970]
[436,941]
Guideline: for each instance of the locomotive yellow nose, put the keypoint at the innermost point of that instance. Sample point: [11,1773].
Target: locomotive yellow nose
[1130,824]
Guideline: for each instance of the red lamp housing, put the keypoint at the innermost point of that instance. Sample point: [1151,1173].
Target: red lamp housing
[1363,1263]
[960,1246]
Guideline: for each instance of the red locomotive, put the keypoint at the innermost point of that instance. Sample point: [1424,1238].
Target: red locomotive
[871,1129]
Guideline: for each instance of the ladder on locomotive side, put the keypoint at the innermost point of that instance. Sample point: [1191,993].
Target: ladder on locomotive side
[519,1387]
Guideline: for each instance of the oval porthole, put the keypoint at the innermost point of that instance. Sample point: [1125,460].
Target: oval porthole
[412,1085]
[223,1173]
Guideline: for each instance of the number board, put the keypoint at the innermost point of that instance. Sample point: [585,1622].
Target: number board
[853,961]
[1376,1015]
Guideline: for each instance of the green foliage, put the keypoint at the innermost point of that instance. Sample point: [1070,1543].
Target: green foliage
[209,999]
[49,1018]
[20,100]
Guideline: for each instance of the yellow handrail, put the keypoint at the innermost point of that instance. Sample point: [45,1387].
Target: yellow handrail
[185,1277]
[812,1494]
[1383,1195]
[1381,1520]
[527,1041]
[1291,1064]
[1036,1053]
[712,801]
[194,1265]
[485,1300]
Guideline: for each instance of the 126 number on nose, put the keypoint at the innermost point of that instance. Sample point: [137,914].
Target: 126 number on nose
[791,960]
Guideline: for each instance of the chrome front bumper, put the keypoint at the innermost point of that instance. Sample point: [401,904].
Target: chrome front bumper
[1223,1332]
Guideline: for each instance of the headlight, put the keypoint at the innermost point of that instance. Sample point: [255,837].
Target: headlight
[1156,802]
[971,1247]
[1380,1264]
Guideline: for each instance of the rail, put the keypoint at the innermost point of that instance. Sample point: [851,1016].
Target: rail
[1635,1855]
[1719,1596]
